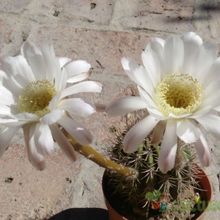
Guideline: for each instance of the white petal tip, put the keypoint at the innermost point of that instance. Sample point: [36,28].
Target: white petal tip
[206,161]
[165,167]
[100,107]
[39,165]
[192,36]
[125,63]
[87,139]
[128,147]
[100,87]
[71,156]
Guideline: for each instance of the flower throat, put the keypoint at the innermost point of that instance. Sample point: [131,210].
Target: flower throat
[178,94]
[36,97]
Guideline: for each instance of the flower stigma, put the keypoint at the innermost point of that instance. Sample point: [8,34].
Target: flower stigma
[36,96]
[178,94]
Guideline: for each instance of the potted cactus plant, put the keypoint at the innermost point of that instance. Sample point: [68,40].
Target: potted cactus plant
[180,110]
[151,166]
[182,193]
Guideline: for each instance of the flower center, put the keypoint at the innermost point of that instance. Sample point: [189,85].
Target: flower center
[178,94]
[36,97]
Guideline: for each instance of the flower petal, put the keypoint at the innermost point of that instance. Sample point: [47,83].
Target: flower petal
[213,74]
[158,132]
[61,80]
[43,139]
[5,110]
[9,122]
[138,132]
[26,117]
[217,108]
[53,116]
[64,144]
[19,119]
[186,131]
[137,74]
[36,158]
[6,135]
[125,105]
[86,86]
[151,106]
[192,45]
[81,134]
[18,66]
[77,67]
[76,106]
[157,45]
[20,80]
[15,88]
[211,88]
[35,59]
[202,110]
[173,55]
[168,148]
[52,65]
[207,56]
[203,150]
[3,75]
[211,123]
[78,78]
[152,65]
[212,101]
[128,66]
[63,61]
[6,97]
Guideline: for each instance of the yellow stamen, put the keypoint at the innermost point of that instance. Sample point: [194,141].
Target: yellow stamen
[36,97]
[178,94]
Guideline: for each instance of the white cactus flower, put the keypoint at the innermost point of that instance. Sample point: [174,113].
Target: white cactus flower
[35,96]
[179,85]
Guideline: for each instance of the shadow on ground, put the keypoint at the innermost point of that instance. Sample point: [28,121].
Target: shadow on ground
[211,7]
[181,19]
[81,214]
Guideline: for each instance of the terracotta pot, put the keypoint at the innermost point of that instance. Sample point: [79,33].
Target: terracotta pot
[115,214]
[205,184]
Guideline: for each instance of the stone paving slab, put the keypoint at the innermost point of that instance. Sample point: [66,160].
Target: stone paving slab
[146,15]
[101,32]
[26,193]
